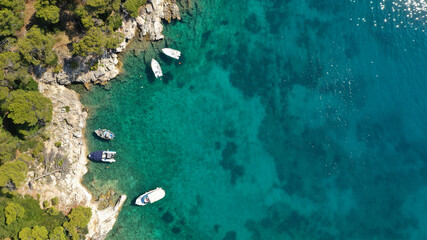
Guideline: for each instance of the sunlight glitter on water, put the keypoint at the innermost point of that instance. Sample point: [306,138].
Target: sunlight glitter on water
[414,12]
[395,13]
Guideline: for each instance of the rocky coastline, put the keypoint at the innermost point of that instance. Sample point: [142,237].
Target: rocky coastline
[69,117]
[148,26]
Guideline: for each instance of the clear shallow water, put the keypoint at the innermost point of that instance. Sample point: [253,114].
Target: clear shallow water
[286,120]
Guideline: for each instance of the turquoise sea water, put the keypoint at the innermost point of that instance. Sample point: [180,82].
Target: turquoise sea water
[286,119]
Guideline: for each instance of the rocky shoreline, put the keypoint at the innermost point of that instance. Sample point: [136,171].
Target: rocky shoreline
[69,117]
[149,27]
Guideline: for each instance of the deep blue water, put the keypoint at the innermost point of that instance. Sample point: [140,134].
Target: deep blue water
[286,119]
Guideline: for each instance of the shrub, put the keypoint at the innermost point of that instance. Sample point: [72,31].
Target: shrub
[132,6]
[58,144]
[46,204]
[52,211]
[54,201]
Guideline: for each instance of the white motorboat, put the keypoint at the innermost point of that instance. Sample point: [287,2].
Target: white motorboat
[172,52]
[156,68]
[103,156]
[150,197]
[105,134]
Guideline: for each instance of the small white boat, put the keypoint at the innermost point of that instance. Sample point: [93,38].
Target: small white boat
[150,197]
[156,68]
[172,52]
[105,134]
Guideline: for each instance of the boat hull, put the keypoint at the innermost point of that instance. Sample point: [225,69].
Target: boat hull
[172,53]
[105,134]
[150,197]
[102,156]
[155,66]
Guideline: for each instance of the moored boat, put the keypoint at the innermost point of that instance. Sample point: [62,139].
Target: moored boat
[172,53]
[105,134]
[155,66]
[102,156]
[150,197]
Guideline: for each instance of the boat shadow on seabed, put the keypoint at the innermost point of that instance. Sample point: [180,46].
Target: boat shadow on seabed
[167,77]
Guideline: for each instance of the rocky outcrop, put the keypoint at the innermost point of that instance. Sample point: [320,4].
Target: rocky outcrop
[128,29]
[85,70]
[98,71]
[150,18]
[104,220]
[67,127]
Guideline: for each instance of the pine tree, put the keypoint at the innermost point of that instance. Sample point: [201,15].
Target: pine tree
[13,211]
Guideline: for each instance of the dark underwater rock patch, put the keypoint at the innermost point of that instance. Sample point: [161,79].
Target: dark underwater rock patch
[230,235]
[167,217]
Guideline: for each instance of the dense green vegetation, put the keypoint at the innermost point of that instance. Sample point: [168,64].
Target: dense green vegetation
[47,10]
[36,48]
[132,6]
[22,218]
[11,16]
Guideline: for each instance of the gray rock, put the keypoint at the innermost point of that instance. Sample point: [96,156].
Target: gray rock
[150,20]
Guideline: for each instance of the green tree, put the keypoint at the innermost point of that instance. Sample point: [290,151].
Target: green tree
[14,5]
[39,233]
[78,218]
[112,39]
[84,16]
[98,7]
[92,43]
[15,172]
[12,74]
[36,48]
[115,21]
[10,22]
[25,234]
[47,10]
[8,146]
[29,85]
[4,92]
[28,108]
[57,234]
[53,211]
[96,42]
[13,211]
[132,6]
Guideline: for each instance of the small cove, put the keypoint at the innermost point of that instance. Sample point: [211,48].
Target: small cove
[289,120]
